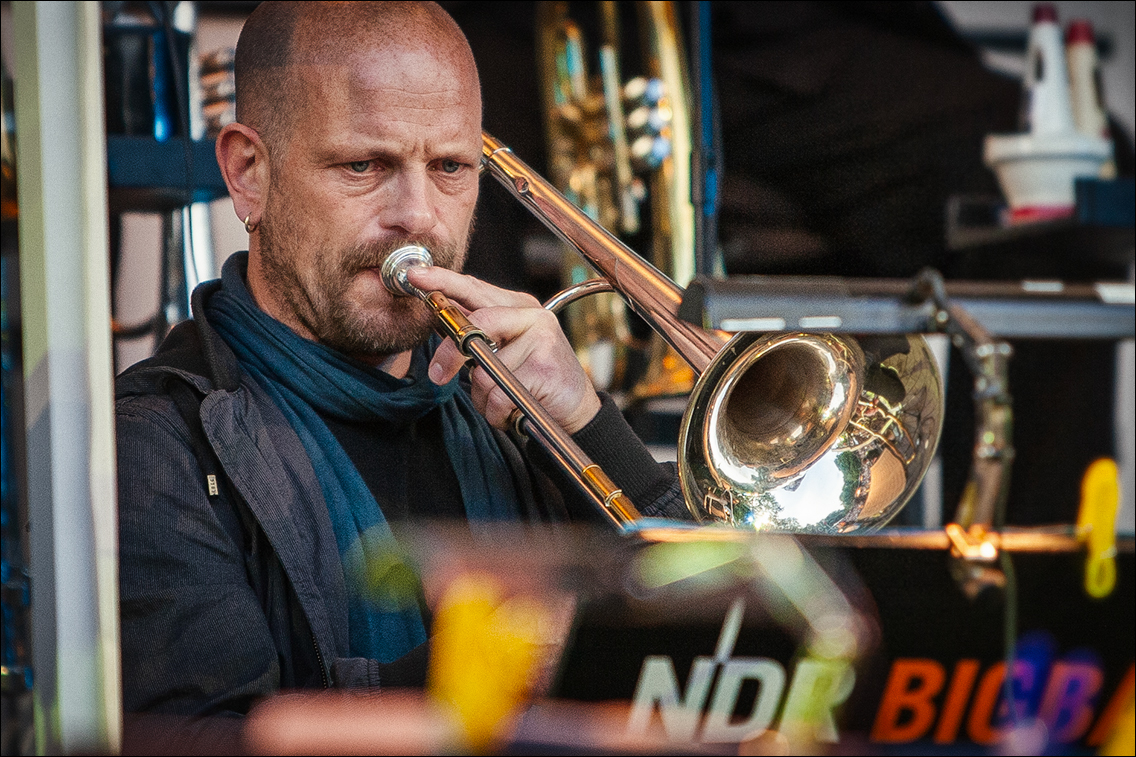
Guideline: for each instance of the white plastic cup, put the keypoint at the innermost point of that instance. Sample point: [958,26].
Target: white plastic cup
[1037,168]
[1037,172]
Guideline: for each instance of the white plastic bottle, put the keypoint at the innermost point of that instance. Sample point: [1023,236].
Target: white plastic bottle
[1046,107]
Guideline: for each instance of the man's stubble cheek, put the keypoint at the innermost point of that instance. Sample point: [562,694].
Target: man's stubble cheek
[360,316]
[298,284]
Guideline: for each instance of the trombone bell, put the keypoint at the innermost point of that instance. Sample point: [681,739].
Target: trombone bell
[810,433]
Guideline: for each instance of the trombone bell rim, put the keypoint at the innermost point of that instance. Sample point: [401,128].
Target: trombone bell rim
[780,404]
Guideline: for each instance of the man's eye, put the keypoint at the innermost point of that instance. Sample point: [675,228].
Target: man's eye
[451,166]
[359,166]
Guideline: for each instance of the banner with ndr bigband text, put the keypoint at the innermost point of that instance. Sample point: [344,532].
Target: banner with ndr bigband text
[868,649]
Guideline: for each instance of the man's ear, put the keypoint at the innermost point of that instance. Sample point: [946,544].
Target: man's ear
[243,159]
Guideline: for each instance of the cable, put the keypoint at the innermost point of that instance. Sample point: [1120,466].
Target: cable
[163,11]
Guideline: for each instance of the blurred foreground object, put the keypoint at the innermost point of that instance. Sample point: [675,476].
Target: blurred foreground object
[483,655]
[714,641]
[695,585]
[1122,741]
[339,722]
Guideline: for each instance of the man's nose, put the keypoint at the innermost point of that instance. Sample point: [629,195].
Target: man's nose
[409,207]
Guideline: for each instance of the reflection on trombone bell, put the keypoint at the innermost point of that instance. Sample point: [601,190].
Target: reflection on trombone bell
[811,432]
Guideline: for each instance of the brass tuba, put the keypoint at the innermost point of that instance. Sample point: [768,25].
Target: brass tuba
[786,431]
[621,152]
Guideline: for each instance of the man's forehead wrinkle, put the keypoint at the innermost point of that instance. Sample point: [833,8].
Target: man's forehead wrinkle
[396,97]
[419,92]
[421,58]
[415,71]
[398,79]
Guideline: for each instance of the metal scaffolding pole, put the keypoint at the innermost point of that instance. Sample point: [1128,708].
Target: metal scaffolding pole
[64,280]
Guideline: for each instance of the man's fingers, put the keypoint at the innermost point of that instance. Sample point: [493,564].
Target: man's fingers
[472,294]
[530,344]
[506,325]
[489,399]
[519,329]
[446,363]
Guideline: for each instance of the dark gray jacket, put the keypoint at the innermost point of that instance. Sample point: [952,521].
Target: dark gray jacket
[232,586]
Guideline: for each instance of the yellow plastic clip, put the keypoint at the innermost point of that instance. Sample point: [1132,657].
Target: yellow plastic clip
[1096,525]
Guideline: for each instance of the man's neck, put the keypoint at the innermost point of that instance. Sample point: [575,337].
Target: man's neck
[396,365]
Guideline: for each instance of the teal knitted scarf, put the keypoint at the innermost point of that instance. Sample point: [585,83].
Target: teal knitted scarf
[305,378]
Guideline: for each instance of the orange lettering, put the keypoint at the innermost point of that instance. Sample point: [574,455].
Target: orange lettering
[980,725]
[1120,699]
[955,705]
[912,685]
[1067,705]
[981,712]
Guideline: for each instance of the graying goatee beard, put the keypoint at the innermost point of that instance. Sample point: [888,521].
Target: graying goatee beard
[321,302]
[405,324]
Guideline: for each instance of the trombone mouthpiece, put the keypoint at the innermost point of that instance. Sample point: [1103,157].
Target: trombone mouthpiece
[395,266]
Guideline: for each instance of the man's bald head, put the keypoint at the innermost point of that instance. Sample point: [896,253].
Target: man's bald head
[280,40]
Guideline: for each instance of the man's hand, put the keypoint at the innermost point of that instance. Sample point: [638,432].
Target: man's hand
[530,343]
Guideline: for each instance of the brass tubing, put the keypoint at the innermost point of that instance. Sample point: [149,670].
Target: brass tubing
[560,300]
[612,502]
[558,441]
[453,321]
[614,498]
[650,293]
[475,345]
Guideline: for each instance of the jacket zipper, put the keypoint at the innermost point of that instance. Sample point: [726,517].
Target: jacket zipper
[319,659]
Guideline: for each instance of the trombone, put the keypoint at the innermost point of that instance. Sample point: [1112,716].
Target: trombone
[793,432]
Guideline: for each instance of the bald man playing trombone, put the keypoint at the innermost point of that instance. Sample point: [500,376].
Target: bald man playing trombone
[268,446]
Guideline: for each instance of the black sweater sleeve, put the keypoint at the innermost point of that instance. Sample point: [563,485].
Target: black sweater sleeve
[652,486]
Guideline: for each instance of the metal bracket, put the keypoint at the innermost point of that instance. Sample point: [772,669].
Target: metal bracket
[974,550]
[983,500]
[976,544]
[974,563]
